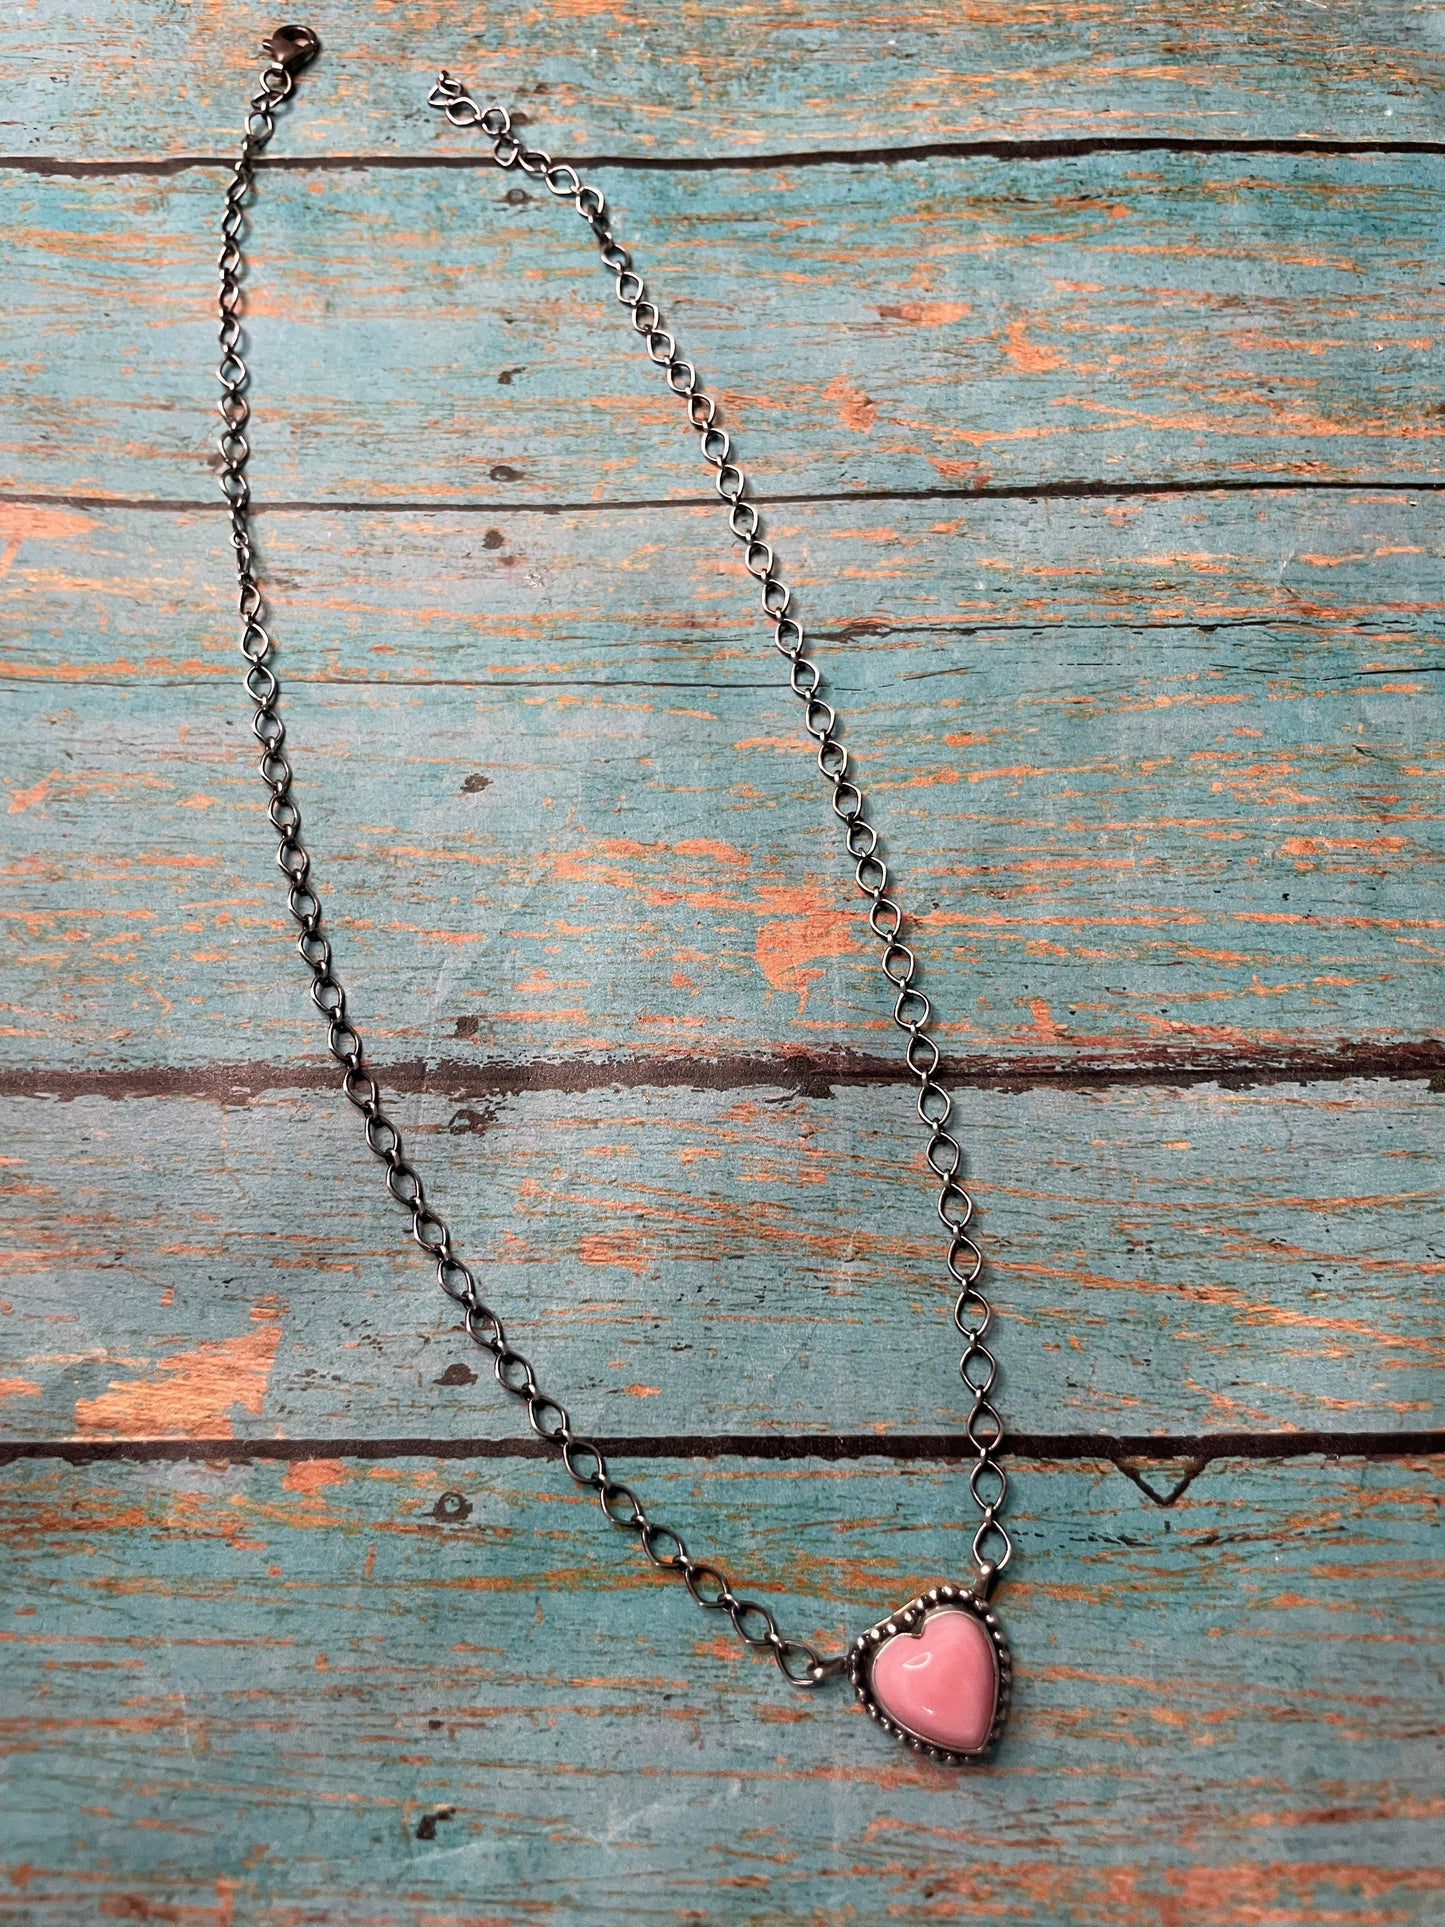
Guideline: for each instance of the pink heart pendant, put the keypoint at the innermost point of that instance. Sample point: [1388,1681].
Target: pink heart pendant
[936,1675]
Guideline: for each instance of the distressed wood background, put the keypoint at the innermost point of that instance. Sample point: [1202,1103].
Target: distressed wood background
[1086,354]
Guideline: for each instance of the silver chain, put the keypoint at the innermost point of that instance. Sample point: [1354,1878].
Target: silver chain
[292,49]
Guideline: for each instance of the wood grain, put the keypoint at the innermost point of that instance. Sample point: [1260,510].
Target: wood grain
[686,1262]
[1194,595]
[1162,777]
[1160,772]
[957,323]
[269,1694]
[677,79]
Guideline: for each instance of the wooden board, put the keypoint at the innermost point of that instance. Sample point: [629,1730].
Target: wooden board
[748,1261]
[448,336]
[1161,776]
[674,79]
[277,1693]
[1104,412]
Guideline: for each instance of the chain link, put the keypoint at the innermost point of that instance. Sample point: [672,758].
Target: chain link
[754,1623]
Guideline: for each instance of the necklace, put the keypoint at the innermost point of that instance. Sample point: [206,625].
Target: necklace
[935,1674]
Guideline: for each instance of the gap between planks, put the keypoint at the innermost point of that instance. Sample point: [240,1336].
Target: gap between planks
[1200,1449]
[1059,147]
[804,1074]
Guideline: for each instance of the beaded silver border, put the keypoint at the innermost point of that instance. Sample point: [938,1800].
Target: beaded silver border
[866,1646]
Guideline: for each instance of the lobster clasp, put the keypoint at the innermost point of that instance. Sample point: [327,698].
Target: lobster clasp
[292,48]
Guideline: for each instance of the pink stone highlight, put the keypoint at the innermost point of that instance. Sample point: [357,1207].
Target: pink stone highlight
[941,1682]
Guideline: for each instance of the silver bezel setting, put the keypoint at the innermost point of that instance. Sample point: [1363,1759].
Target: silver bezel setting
[865,1649]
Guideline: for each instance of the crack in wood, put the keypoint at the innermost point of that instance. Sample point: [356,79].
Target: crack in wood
[1067,491]
[1133,1469]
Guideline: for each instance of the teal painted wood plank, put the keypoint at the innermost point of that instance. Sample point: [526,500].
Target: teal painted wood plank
[268,1694]
[428,334]
[679,79]
[683,1261]
[1161,778]
[1115,606]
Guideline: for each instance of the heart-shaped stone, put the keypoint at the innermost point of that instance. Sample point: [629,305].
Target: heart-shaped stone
[939,1682]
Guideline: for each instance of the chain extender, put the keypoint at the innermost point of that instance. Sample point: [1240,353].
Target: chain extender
[292,49]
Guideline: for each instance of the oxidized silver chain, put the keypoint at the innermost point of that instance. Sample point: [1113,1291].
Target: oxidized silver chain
[936,1617]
